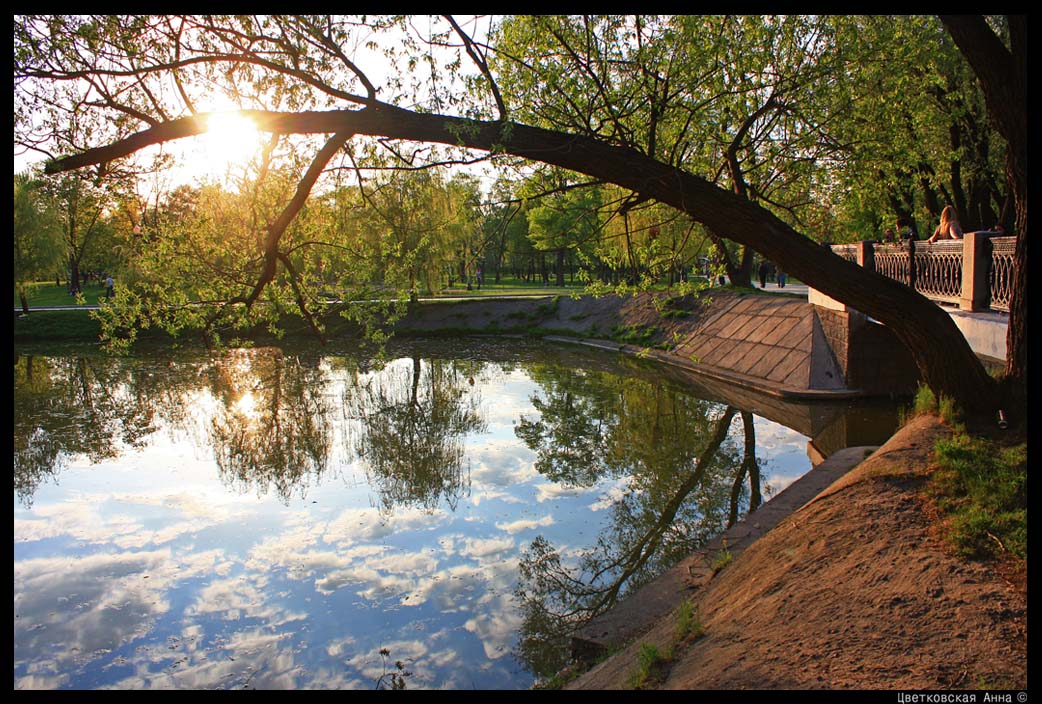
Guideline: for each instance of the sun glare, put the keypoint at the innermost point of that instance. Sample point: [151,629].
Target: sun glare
[230,142]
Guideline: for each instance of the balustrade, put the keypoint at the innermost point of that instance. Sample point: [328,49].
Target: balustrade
[975,273]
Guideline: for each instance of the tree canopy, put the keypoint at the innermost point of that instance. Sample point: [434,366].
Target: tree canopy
[761,129]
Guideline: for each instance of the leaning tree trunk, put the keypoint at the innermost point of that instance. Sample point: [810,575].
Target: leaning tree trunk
[942,354]
[1002,73]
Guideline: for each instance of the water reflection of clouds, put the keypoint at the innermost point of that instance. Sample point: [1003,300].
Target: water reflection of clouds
[524,524]
[611,496]
[551,492]
[109,600]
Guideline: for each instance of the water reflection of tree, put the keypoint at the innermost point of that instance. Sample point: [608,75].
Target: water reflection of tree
[68,406]
[271,428]
[685,482]
[412,421]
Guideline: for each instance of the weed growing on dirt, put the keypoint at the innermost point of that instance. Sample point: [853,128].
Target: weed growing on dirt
[926,402]
[688,625]
[650,664]
[721,560]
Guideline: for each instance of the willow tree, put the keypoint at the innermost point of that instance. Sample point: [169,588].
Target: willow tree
[297,77]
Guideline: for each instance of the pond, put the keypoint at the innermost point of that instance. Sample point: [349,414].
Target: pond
[284,518]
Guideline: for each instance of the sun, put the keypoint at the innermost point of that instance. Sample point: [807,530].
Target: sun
[230,141]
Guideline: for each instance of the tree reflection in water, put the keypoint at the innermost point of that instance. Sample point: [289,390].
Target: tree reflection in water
[271,429]
[412,425]
[67,406]
[684,483]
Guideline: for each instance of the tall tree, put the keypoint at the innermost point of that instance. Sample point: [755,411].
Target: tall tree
[37,236]
[1002,68]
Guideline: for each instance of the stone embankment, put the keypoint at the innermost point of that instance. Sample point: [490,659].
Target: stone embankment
[774,344]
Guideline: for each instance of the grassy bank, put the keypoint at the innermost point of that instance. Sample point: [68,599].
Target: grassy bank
[979,487]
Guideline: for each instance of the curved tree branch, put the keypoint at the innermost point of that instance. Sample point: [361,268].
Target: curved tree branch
[952,369]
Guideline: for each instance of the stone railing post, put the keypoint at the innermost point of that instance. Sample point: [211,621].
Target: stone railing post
[866,255]
[975,293]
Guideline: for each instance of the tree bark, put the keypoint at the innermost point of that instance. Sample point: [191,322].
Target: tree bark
[942,354]
[1002,74]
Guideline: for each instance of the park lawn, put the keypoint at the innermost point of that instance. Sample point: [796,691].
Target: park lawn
[43,295]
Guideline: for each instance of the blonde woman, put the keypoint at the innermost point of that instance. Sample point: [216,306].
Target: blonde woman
[949,227]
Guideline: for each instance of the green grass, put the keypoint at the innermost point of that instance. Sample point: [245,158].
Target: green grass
[721,560]
[653,664]
[509,286]
[926,402]
[57,325]
[634,334]
[688,625]
[650,666]
[44,294]
[981,488]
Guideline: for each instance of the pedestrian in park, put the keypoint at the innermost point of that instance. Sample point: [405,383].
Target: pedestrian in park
[763,273]
[110,286]
[781,278]
[948,228]
[889,236]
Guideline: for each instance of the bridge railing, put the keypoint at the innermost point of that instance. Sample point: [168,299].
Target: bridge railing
[975,273]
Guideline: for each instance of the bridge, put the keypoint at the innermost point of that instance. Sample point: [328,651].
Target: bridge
[971,278]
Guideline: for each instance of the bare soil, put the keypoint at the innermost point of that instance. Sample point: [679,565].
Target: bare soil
[857,590]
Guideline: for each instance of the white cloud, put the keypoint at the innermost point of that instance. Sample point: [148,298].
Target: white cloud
[524,524]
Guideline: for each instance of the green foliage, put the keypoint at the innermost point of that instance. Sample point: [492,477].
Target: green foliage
[650,666]
[36,232]
[982,489]
[925,401]
[721,560]
[688,625]
[634,334]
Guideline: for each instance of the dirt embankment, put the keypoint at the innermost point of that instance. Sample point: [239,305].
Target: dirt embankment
[855,591]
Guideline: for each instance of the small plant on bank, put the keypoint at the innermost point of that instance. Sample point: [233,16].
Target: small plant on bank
[926,402]
[650,666]
[634,334]
[721,560]
[688,626]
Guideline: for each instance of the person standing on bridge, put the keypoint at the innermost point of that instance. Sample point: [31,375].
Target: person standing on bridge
[949,227]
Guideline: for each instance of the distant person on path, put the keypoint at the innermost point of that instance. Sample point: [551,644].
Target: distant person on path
[763,273]
[949,227]
[889,236]
[781,278]
[110,287]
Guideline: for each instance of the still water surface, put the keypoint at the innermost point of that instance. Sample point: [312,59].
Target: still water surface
[275,518]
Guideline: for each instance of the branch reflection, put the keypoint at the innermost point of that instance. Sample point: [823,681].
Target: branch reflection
[684,482]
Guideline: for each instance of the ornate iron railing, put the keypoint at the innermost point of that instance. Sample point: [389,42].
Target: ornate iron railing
[1000,275]
[895,261]
[938,270]
[975,273]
